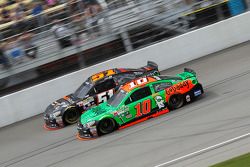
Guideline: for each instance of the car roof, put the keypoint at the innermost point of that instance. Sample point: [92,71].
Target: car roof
[111,72]
[101,75]
[138,82]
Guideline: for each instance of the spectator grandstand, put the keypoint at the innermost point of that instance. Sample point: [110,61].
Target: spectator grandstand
[42,39]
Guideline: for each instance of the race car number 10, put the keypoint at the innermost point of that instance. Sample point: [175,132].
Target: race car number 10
[143,108]
[138,82]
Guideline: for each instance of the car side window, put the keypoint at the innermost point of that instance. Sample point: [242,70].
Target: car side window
[104,86]
[161,86]
[92,92]
[139,94]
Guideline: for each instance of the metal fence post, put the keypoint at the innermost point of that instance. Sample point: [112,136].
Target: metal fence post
[126,40]
[247,2]
[219,12]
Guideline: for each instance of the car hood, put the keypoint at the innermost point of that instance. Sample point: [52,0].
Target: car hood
[61,104]
[95,112]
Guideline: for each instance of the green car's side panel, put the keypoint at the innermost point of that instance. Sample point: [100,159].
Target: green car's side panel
[126,113]
[139,108]
[136,108]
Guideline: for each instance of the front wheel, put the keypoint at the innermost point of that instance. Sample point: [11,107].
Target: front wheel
[71,116]
[106,126]
[176,101]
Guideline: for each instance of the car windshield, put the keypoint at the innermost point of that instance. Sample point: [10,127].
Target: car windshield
[83,90]
[117,98]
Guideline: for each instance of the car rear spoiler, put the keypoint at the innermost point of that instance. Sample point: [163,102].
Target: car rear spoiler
[152,64]
[190,71]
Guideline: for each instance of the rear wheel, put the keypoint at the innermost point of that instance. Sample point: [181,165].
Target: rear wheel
[71,116]
[106,126]
[175,101]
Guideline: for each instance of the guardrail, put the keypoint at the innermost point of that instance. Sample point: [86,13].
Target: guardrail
[32,101]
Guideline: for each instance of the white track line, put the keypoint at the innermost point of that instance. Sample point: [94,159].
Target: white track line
[204,150]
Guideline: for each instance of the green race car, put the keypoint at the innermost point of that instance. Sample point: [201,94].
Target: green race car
[138,100]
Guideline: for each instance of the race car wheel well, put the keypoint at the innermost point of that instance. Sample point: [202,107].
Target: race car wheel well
[175,101]
[106,125]
[71,116]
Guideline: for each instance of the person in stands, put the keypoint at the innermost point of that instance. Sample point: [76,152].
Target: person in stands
[62,34]
[14,51]
[26,40]
[20,22]
[4,61]
[92,15]
[51,3]
[5,15]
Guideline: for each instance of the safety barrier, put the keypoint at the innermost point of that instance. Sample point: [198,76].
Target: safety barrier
[32,101]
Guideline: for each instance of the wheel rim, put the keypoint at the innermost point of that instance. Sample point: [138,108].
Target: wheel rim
[176,101]
[106,126]
[71,117]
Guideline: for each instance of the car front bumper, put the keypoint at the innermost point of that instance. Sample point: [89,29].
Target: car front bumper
[86,132]
[52,123]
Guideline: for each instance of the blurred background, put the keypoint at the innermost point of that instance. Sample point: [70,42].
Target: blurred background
[44,39]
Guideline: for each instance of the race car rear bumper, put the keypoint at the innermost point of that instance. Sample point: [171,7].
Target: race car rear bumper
[194,93]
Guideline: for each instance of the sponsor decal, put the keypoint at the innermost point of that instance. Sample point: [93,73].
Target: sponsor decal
[128,116]
[138,73]
[86,103]
[159,101]
[123,112]
[197,92]
[177,87]
[58,105]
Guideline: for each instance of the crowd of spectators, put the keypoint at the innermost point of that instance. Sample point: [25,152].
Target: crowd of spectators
[16,49]
[16,10]
[25,15]
[85,15]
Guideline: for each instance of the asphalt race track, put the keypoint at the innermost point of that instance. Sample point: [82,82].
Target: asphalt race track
[175,139]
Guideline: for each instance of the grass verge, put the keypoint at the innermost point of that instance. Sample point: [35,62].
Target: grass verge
[241,161]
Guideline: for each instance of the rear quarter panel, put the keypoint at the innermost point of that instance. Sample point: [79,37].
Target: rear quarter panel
[179,88]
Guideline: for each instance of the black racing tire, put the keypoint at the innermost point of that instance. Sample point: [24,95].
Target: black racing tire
[175,101]
[106,126]
[71,116]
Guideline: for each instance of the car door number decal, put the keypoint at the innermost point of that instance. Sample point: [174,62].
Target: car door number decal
[143,108]
[104,96]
